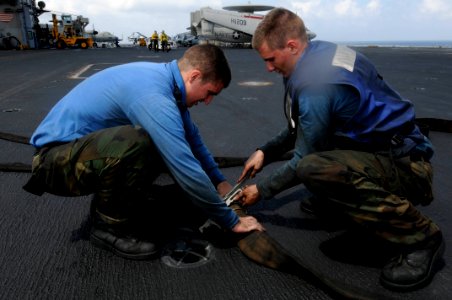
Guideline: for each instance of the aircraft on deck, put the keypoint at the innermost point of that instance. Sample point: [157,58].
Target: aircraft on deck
[232,24]
[137,38]
[104,37]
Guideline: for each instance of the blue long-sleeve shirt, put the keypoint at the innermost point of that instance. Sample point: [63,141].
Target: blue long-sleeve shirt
[142,94]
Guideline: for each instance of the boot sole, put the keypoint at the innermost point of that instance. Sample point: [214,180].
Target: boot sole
[134,256]
[433,267]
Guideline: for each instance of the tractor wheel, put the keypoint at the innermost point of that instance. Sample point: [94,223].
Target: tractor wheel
[83,44]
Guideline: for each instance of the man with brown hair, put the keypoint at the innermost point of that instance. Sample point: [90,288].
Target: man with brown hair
[356,146]
[115,132]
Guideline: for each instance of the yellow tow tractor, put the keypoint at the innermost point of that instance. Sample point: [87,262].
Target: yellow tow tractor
[142,41]
[73,32]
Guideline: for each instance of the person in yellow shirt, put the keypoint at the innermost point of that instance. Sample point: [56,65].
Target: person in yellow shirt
[164,41]
[154,41]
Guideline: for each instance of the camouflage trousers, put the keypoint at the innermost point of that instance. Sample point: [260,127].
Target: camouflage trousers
[375,190]
[116,164]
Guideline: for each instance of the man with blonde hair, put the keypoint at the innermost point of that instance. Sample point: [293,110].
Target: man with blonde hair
[356,146]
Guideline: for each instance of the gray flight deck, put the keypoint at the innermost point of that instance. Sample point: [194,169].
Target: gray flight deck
[44,247]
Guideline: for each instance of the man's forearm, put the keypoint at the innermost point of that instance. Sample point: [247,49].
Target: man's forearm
[279,145]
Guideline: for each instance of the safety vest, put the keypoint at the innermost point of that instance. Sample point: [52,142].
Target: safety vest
[163,37]
[382,115]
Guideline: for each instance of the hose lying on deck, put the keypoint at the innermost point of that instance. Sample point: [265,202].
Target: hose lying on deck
[426,125]
[261,248]
[222,161]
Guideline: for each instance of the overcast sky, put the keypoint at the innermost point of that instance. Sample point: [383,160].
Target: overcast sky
[333,20]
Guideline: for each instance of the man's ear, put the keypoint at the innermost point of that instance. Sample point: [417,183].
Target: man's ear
[194,74]
[294,46]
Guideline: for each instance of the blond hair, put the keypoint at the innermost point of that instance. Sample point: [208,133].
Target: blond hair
[277,27]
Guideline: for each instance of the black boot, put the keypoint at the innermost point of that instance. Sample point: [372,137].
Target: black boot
[120,238]
[414,268]
[123,245]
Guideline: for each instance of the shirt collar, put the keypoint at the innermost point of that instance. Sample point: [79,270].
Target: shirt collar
[179,85]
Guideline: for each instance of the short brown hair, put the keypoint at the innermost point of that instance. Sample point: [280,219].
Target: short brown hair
[278,26]
[208,59]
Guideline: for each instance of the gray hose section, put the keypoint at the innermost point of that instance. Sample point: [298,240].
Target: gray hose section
[426,125]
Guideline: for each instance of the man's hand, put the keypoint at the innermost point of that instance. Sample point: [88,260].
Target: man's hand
[223,188]
[249,195]
[247,224]
[255,163]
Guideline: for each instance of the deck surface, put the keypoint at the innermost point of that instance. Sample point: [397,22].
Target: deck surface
[45,253]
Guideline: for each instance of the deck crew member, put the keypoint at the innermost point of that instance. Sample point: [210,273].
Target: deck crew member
[356,146]
[116,131]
